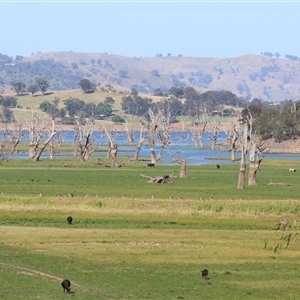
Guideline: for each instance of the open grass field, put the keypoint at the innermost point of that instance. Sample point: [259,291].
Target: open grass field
[131,239]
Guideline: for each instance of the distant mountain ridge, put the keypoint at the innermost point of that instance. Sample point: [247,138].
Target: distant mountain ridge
[249,76]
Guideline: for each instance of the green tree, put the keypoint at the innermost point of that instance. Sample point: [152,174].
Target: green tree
[32,89]
[7,115]
[19,87]
[177,92]
[44,106]
[103,109]
[109,100]
[8,101]
[42,84]
[87,86]
[89,108]
[136,105]
[123,73]
[117,119]
[134,92]
[267,122]
[73,106]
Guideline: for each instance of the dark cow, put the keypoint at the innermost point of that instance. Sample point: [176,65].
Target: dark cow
[66,283]
[218,167]
[204,274]
[69,219]
[151,165]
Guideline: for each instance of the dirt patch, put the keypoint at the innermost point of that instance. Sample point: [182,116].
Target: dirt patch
[288,147]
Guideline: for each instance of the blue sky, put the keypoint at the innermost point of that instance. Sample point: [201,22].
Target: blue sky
[144,29]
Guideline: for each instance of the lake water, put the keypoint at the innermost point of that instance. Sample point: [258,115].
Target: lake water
[182,145]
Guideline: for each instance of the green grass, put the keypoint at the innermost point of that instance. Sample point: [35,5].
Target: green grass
[125,247]
[20,178]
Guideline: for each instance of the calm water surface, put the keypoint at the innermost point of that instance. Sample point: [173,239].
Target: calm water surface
[182,145]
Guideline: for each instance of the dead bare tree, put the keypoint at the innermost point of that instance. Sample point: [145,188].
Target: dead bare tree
[129,131]
[142,139]
[157,131]
[183,169]
[164,134]
[214,132]
[39,129]
[255,149]
[49,136]
[13,134]
[83,139]
[112,147]
[55,143]
[232,136]
[36,132]
[197,132]
[152,126]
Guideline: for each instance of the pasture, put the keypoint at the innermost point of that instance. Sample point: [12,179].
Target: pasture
[131,239]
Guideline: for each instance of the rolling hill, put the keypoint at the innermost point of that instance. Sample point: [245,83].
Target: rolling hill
[249,76]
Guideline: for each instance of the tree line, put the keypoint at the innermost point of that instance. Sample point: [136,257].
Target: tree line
[280,122]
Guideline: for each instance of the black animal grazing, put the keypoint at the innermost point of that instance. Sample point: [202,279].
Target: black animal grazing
[204,274]
[218,166]
[66,283]
[151,165]
[69,219]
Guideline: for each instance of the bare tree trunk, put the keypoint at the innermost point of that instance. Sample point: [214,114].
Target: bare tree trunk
[160,151]
[183,169]
[137,151]
[32,150]
[113,150]
[253,167]
[75,151]
[129,132]
[52,152]
[241,180]
[214,133]
[152,150]
[233,152]
[254,162]
[82,159]
[213,142]
[14,145]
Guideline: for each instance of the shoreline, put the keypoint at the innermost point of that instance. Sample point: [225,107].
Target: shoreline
[271,146]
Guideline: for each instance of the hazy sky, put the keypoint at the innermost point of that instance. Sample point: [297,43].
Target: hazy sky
[144,28]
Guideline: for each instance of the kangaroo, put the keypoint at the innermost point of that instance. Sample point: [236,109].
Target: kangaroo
[204,273]
[66,283]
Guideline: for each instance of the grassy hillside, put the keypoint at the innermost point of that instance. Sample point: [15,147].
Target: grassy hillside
[27,102]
